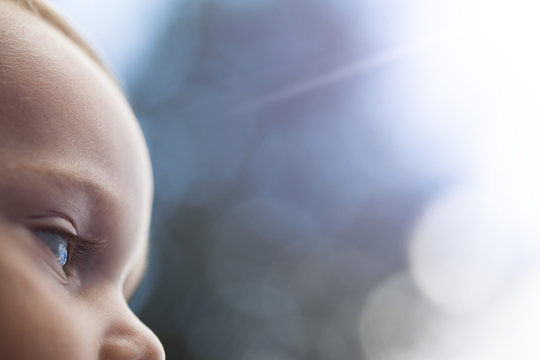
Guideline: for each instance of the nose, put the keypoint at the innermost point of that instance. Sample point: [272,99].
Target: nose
[126,337]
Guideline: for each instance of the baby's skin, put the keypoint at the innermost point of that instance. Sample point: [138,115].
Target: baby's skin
[75,201]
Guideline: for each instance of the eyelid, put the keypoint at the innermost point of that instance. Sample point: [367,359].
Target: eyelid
[55,222]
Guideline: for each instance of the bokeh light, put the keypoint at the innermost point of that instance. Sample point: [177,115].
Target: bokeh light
[461,253]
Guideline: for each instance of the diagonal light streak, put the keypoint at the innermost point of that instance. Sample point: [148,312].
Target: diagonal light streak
[336,75]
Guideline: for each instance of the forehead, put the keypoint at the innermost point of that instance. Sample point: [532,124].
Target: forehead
[58,109]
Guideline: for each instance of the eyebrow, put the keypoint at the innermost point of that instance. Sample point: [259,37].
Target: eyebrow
[64,179]
[66,183]
[100,193]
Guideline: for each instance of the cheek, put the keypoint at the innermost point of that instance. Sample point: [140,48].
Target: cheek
[40,319]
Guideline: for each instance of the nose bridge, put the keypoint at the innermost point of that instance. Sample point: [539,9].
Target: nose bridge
[126,337]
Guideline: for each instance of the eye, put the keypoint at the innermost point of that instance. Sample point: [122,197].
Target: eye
[58,242]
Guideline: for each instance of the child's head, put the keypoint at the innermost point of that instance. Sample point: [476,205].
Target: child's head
[75,198]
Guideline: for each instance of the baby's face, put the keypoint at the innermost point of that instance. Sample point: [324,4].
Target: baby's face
[75,199]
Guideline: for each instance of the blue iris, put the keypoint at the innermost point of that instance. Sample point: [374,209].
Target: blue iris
[58,243]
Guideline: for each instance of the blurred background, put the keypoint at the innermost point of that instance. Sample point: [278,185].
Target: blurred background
[349,179]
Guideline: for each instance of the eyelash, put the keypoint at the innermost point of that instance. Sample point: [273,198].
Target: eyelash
[81,248]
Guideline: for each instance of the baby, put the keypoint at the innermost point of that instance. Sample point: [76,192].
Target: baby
[75,198]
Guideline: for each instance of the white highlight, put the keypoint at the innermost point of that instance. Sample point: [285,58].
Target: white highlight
[475,251]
